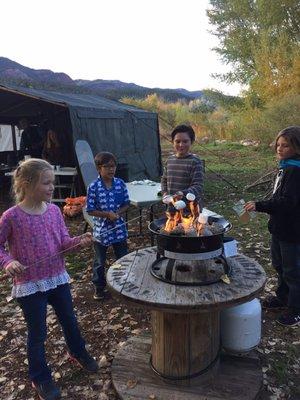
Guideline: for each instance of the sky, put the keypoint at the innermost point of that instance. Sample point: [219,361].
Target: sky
[157,43]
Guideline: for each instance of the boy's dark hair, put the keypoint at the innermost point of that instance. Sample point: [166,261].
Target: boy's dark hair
[184,129]
[104,157]
[292,135]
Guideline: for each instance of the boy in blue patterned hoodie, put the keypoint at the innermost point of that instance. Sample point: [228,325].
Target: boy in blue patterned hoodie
[107,199]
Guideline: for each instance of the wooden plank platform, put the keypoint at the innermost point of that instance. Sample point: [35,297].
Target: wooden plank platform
[236,378]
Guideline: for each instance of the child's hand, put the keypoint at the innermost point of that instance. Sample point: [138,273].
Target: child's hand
[112,216]
[178,196]
[86,239]
[250,206]
[14,268]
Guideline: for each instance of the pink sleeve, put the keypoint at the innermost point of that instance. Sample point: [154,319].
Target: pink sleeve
[66,240]
[5,231]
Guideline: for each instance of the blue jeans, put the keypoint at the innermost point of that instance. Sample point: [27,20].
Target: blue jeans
[34,309]
[286,261]
[120,250]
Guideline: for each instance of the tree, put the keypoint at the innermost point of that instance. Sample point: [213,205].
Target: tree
[220,99]
[242,27]
[278,68]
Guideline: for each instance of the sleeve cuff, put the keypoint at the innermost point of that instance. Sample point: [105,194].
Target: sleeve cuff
[7,262]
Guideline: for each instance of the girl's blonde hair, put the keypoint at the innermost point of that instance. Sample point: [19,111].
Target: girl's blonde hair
[292,135]
[27,175]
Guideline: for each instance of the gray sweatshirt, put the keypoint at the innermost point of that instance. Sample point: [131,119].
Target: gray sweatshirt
[183,174]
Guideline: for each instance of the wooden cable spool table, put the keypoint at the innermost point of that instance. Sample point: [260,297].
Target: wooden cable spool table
[183,359]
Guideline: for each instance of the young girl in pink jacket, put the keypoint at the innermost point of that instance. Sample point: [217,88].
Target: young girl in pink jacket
[33,239]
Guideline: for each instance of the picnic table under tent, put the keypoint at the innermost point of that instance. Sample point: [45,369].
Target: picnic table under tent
[126,131]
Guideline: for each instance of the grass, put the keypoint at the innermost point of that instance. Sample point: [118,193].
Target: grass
[280,370]
[279,364]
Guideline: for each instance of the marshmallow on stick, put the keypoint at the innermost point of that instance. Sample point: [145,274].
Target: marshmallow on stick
[179,205]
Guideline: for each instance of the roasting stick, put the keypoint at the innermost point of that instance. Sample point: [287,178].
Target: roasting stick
[4,277]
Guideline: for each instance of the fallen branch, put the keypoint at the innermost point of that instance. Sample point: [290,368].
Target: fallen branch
[259,181]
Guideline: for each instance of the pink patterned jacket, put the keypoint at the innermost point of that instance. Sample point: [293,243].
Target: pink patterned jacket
[34,241]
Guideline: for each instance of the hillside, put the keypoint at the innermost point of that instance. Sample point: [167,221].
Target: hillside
[17,74]
[12,70]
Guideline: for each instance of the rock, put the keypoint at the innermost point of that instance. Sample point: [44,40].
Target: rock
[203,140]
[249,142]
[103,362]
[220,141]
[103,396]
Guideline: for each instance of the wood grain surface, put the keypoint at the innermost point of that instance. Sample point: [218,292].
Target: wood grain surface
[237,378]
[130,278]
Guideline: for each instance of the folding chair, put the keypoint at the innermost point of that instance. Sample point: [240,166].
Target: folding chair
[88,171]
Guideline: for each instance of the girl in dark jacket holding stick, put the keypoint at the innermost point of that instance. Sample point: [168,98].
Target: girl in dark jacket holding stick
[284,226]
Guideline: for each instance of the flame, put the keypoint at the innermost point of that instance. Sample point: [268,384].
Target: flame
[184,221]
[200,229]
[195,210]
[173,220]
[187,223]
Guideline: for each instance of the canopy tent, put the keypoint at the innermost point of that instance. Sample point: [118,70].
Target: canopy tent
[128,132]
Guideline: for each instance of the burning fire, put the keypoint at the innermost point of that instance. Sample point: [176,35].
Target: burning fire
[174,218]
[184,218]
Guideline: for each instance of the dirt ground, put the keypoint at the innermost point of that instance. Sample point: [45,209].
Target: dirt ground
[106,325]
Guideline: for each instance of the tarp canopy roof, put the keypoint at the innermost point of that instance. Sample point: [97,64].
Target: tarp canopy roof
[11,107]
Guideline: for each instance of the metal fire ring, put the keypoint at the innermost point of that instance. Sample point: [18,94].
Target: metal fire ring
[193,256]
[169,269]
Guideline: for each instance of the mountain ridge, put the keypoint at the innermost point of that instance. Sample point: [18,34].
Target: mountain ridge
[16,73]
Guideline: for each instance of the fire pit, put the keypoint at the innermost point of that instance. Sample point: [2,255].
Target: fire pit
[202,257]
[186,247]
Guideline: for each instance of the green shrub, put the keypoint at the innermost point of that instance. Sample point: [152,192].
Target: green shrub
[264,123]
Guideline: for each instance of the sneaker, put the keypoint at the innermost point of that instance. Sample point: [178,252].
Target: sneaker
[86,362]
[99,294]
[273,302]
[46,390]
[289,319]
